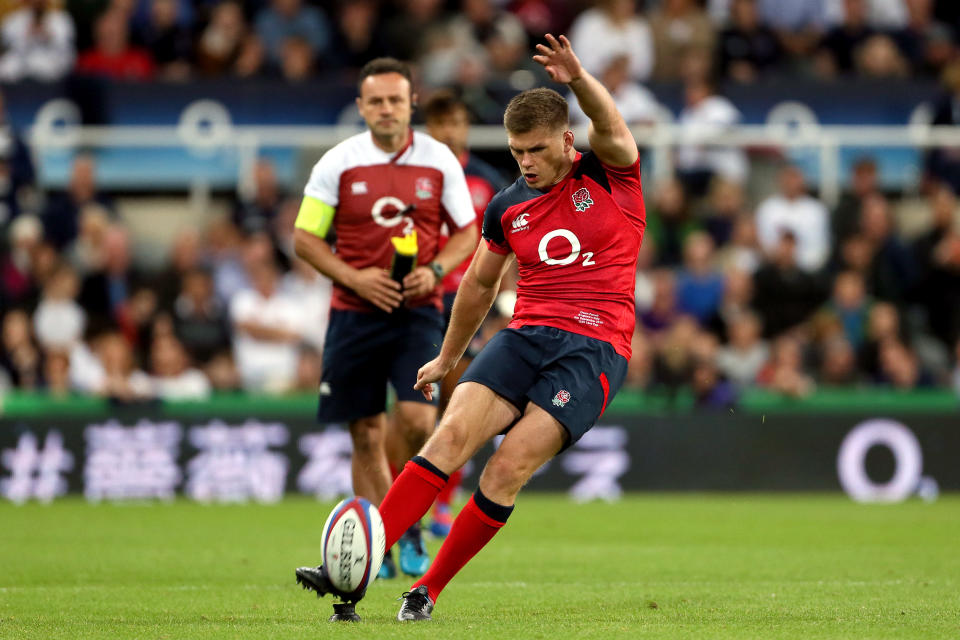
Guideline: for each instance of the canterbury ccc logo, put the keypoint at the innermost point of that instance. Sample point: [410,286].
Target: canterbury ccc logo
[520,221]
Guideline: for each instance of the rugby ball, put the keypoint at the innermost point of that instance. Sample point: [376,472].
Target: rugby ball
[353,546]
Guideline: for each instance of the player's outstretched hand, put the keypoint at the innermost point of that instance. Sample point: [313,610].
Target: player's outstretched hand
[376,285]
[558,58]
[419,283]
[429,373]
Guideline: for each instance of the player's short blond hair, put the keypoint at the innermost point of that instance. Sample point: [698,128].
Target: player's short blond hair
[534,109]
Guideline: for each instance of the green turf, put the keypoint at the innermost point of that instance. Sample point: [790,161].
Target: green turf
[658,566]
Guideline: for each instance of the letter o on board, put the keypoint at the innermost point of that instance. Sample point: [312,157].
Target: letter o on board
[907,456]
[559,233]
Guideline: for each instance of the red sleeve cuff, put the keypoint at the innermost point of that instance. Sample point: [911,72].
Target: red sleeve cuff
[496,248]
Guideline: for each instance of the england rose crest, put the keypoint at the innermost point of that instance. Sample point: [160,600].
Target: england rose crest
[581,199]
[562,398]
[424,188]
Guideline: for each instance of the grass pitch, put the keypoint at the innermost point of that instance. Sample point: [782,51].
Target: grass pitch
[663,566]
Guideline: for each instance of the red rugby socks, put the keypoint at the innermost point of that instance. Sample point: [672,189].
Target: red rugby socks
[410,496]
[476,525]
[446,495]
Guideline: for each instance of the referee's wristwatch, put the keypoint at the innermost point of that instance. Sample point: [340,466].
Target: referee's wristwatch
[437,269]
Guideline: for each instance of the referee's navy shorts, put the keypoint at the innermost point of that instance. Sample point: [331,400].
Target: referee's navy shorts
[364,351]
[570,376]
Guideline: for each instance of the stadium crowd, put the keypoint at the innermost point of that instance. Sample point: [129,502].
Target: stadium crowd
[781,293]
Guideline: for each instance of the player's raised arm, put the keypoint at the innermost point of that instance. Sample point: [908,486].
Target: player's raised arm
[609,135]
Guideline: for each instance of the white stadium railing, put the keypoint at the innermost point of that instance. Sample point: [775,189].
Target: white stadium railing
[661,140]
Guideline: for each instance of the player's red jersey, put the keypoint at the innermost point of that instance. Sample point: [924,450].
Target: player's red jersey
[370,189]
[483,182]
[576,248]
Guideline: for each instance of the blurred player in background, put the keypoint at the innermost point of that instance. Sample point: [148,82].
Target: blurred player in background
[574,222]
[448,120]
[383,184]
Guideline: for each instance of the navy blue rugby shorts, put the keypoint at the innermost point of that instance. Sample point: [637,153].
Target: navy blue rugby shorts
[364,351]
[570,376]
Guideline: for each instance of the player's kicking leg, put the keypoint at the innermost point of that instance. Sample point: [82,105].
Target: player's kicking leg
[534,440]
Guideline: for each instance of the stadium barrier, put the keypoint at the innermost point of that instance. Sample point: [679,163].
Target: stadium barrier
[875,445]
[207,151]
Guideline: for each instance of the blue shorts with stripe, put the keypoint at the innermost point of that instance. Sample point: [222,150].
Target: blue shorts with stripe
[364,351]
[571,377]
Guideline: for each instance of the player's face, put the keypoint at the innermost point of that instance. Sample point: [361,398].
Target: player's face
[386,104]
[451,129]
[543,155]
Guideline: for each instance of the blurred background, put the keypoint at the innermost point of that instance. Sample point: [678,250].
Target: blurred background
[801,259]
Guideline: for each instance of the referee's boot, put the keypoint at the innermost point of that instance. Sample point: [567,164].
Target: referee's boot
[414,560]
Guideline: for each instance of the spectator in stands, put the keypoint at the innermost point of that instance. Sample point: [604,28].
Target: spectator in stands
[785,295]
[707,114]
[845,220]
[663,311]
[226,248]
[58,321]
[20,357]
[185,254]
[925,42]
[172,376]
[798,24]
[892,270]
[168,40]
[674,361]
[357,38]
[836,51]
[725,206]
[747,48]
[710,389]
[900,368]
[878,57]
[805,217]
[313,292]
[222,372]
[610,29]
[38,43]
[937,253]
[883,325]
[199,319]
[838,364]
[640,367]
[227,44]
[944,163]
[635,102]
[309,368]
[741,360]
[669,222]
[119,377]
[743,251]
[784,371]
[259,201]
[737,300]
[679,27]
[508,69]
[112,55]
[699,285]
[268,327]
[17,175]
[56,373]
[297,61]
[18,286]
[850,305]
[61,216]
[282,20]
[406,32]
[106,291]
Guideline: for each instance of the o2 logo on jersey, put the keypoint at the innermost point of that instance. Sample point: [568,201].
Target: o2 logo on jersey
[574,241]
[391,207]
